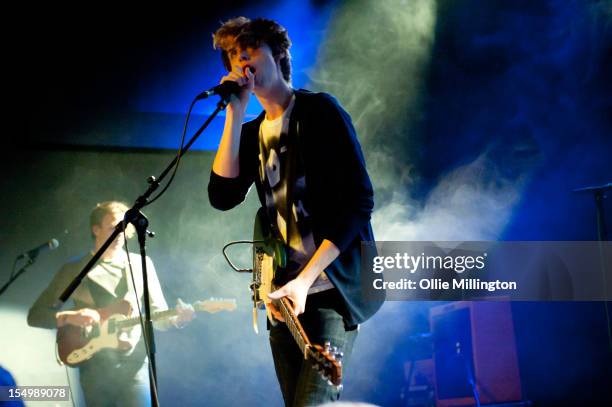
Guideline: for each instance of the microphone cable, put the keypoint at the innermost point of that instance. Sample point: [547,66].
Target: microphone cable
[178,157]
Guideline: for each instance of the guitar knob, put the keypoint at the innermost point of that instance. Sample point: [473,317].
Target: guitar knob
[339,355]
[327,346]
[334,350]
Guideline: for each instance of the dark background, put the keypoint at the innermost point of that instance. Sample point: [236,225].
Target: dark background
[513,111]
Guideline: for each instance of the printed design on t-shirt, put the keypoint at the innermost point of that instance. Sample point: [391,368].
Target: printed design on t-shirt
[278,163]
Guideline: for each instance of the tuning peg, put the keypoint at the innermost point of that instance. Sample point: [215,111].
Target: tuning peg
[338,356]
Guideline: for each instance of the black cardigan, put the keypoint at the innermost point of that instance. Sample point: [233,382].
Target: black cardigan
[339,193]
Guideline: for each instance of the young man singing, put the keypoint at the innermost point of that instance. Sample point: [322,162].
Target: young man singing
[303,155]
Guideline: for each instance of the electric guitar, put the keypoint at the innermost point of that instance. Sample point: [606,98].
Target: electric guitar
[77,344]
[268,254]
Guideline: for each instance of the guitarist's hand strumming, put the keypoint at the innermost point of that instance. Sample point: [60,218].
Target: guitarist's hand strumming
[83,317]
[296,290]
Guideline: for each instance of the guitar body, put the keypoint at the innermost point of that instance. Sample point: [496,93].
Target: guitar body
[77,344]
[268,253]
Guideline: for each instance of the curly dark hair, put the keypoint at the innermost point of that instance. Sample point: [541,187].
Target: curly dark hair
[249,33]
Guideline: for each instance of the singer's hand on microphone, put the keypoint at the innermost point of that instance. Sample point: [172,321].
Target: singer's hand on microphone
[246,79]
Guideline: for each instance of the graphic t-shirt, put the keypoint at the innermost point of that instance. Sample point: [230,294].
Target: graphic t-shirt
[282,175]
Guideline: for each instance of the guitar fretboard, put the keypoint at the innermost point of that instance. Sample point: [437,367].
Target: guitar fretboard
[154,317]
[294,325]
[212,305]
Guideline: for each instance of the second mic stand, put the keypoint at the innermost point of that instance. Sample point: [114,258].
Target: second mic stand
[140,222]
[599,193]
[14,275]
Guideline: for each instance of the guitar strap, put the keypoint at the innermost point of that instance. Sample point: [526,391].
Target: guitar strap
[100,291]
[117,271]
[122,287]
[273,244]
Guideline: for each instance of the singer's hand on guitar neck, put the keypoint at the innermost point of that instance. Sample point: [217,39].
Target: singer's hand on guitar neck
[246,79]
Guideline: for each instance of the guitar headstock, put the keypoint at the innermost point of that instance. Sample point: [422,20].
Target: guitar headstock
[213,305]
[328,361]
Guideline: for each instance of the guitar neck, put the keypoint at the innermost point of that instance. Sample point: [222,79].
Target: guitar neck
[211,306]
[156,316]
[294,325]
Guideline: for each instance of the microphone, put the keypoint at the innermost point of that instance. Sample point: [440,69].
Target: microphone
[32,254]
[224,90]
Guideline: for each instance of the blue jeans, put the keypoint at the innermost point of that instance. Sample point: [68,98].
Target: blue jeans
[300,384]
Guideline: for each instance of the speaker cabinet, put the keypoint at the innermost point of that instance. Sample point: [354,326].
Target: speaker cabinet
[474,343]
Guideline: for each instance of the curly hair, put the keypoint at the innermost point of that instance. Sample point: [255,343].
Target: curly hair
[248,33]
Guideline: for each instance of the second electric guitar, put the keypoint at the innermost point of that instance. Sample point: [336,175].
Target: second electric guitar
[77,344]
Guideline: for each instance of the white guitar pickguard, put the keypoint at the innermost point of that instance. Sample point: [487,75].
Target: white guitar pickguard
[103,341]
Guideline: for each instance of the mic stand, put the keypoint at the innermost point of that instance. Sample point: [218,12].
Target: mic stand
[18,273]
[602,236]
[140,222]
[599,195]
